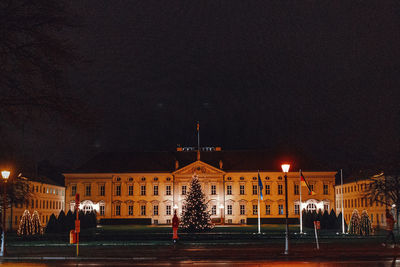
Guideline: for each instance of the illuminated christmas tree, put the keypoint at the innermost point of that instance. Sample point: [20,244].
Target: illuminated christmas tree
[195,217]
[365,225]
[354,227]
[37,229]
[25,225]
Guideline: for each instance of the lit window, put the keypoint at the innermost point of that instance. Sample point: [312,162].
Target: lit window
[155,210]
[280,192]
[280,209]
[88,190]
[326,189]
[242,189]
[130,210]
[255,189]
[168,210]
[229,190]
[296,189]
[213,189]
[168,190]
[155,190]
[118,190]
[255,209]
[143,210]
[143,190]
[118,210]
[214,210]
[130,190]
[242,210]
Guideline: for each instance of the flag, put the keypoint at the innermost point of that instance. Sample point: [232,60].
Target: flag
[260,185]
[304,183]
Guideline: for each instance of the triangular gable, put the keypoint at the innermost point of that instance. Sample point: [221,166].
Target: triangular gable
[200,168]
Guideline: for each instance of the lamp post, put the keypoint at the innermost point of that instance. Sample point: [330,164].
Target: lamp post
[5,175]
[285,169]
[222,213]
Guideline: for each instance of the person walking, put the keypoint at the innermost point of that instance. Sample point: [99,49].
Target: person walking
[389,228]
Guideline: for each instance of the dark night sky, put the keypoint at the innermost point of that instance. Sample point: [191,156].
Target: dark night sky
[320,77]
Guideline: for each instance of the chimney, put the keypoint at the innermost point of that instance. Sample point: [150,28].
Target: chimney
[176,164]
[221,164]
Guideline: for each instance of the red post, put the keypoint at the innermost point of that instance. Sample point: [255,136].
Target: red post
[175,225]
[77,223]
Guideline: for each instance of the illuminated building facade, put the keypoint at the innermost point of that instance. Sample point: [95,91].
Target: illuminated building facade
[150,185]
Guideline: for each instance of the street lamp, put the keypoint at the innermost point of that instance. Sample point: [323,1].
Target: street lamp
[222,213]
[285,169]
[5,175]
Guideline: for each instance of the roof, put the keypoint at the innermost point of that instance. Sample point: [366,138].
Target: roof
[43,180]
[164,161]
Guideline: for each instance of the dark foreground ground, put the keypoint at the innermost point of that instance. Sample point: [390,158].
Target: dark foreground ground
[227,248]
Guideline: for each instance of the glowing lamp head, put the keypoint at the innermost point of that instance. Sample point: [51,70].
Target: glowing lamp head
[221,206]
[5,174]
[285,168]
[394,205]
[175,206]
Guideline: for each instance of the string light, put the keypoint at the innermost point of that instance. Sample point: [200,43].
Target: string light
[29,225]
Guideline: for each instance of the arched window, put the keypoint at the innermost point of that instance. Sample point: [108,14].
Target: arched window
[311,207]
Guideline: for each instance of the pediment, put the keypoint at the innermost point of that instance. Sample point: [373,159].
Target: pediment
[200,168]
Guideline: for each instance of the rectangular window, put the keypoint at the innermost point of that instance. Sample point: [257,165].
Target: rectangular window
[242,189]
[118,210]
[102,190]
[73,190]
[183,189]
[102,210]
[280,192]
[37,203]
[155,190]
[267,189]
[143,210]
[229,190]
[130,210]
[213,189]
[155,210]
[296,189]
[32,204]
[118,190]
[229,209]
[255,187]
[326,207]
[214,210]
[268,209]
[242,210]
[143,190]
[130,190]
[311,187]
[16,220]
[255,209]
[296,209]
[88,190]
[168,190]
[280,209]
[326,189]
[168,210]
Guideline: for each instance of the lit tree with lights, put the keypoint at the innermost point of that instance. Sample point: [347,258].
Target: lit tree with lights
[365,223]
[25,225]
[355,223]
[195,216]
[37,229]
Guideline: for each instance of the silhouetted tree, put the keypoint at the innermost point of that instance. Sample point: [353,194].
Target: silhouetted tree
[51,226]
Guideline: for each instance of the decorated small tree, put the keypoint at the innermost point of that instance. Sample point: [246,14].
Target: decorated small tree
[37,229]
[354,227]
[195,217]
[25,225]
[365,224]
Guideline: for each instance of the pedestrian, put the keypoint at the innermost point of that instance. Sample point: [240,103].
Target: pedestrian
[389,228]
[175,225]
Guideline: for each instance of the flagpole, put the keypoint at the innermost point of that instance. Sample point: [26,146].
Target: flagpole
[258,207]
[301,209]
[341,185]
[198,135]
